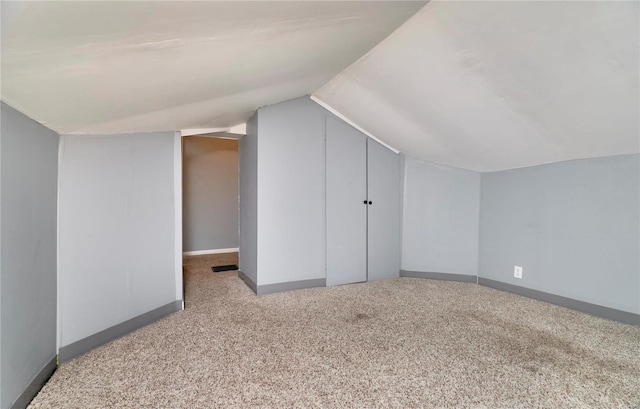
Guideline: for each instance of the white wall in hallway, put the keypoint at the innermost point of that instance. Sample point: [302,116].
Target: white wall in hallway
[210,192]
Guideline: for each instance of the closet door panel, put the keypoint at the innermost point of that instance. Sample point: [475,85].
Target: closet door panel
[346,213]
[384,189]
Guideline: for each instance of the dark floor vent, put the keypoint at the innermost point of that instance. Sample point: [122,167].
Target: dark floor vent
[229,267]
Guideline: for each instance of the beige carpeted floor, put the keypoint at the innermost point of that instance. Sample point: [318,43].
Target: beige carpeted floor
[398,343]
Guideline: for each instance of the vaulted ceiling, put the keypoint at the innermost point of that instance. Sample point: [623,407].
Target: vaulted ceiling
[118,66]
[498,85]
[478,85]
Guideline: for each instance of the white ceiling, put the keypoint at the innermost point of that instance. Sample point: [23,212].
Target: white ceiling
[478,85]
[497,85]
[107,67]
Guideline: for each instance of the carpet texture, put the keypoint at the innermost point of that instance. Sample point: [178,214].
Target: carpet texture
[404,343]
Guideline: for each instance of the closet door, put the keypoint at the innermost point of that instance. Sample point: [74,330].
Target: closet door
[345,200]
[384,189]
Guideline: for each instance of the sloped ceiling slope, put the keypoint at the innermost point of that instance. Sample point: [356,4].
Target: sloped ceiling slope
[103,67]
[498,85]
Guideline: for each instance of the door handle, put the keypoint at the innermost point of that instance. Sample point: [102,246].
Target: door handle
[365,202]
[370,202]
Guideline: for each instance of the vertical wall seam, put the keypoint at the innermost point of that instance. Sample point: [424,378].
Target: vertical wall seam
[177,200]
[479,225]
[366,178]
[127,203]
[402,195]
[326,238]
[257,195]
[61,145]
[1,381]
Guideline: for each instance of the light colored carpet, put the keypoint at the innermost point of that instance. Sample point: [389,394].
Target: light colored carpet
[397,343]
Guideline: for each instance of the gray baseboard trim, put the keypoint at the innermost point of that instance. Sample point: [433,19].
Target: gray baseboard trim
[249,282]
[71,351]
[291,285]
[280,287]
[36,384]
[593,309]
[439,276]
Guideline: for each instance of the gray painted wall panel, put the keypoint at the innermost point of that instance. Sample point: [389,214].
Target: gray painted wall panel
[248,176]
[116,230]
[28,192]
[346,150]
[573,227]
[440,218]
[291,191]
[383,178]
[210,191]
[2,109]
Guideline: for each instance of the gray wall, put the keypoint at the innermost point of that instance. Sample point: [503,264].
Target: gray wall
[291,192]
[440,218]
[283,155]
[28,192]
[573,227]
[210,192]
[384,215]
[116,230]
[248,240]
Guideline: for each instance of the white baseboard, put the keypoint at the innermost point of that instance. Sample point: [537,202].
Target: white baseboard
[212,251]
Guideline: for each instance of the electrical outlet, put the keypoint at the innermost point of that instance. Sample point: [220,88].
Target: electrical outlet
[517,271]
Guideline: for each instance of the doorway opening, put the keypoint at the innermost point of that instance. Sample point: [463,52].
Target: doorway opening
[210,219]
